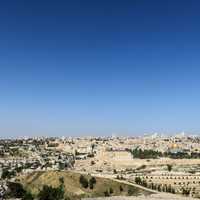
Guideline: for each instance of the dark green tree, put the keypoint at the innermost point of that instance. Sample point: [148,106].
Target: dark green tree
[138,180]
[16,190]
[106,193]
[169,167]
[83,181]
[121,188]
[185,191]
[7,174]
[92,182]
[50,193]
[27,196]
[111,191]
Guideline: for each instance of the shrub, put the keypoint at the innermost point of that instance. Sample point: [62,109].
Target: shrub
[83,181]
[131,191]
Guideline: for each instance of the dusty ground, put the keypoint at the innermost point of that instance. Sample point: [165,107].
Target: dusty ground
[162,196]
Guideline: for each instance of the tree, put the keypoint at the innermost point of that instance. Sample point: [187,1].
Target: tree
[61,180]
[92,182]
[159,187]
[92,146]
[7,174]
[138,180]
[121,188]
[61,166]
[106,193]
[50,193]
[16,190]
[92,162]
[83,181]
[169,168]
[185,191]
[111,190]
[19,169]
[144,183]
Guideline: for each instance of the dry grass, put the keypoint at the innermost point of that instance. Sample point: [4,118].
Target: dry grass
[35,181]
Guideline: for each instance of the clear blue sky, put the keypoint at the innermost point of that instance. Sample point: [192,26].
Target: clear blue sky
[99,67]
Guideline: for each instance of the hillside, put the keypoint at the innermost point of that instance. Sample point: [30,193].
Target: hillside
[35,181]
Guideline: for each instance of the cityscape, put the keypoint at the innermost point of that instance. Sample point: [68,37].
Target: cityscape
[150,165]
[99,100]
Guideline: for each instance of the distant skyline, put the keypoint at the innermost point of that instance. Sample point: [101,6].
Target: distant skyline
[78,68]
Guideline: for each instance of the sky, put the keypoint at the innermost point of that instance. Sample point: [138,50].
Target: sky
[80,68]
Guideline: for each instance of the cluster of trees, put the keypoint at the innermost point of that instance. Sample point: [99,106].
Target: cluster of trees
[140,181]
[120,177]
[50,193]
[52,144]
[145,154]
[183,155]
[151,154]
[162,188]
[7,174]
[186,191]
[87,183]
[153,186]
[131,191]
[16,190]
